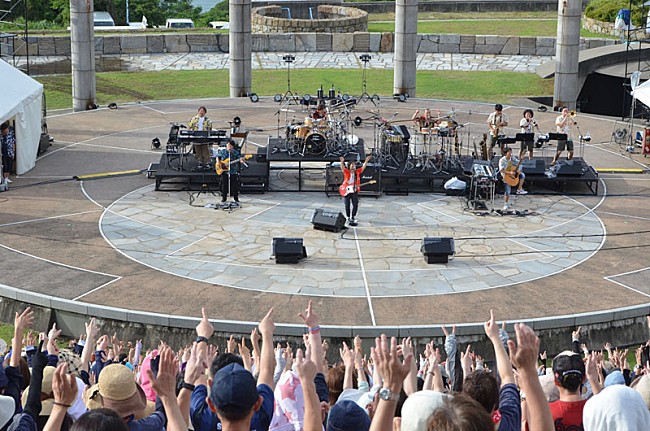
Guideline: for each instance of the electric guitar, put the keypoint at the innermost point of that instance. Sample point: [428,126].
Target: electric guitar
[224,165]
[511,175]
[345,189]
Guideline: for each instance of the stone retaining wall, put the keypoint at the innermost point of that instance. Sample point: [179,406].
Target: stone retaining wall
[307,42]
[602,27]
[330,19]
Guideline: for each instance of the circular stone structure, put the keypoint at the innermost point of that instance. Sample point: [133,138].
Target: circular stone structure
[329,19]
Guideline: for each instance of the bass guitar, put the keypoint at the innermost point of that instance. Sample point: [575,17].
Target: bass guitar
[345,189]
[222,166]
[511,175]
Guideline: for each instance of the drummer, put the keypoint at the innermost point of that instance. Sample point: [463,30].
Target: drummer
[320,111]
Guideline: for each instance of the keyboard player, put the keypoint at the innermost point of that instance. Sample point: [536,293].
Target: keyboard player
[202,150]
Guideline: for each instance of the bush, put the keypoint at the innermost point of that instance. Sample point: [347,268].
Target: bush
[606,10]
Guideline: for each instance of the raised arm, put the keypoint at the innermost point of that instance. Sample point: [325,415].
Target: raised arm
[267,357]
[347,356]
[503,362]
[312,321]
[165,385]
[22,321]
[524,357]
[411,380]
[306,372]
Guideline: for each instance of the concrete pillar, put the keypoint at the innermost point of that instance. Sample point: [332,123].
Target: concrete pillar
[82,49]
[405,55]
[566,54]
[241,44]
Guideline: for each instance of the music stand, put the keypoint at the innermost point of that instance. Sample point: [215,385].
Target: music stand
[288,95]
[524,137]
[558,136]
[364,95]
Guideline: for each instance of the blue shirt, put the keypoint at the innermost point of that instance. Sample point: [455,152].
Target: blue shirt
[8,142]
[510,408]
[204,420]
[234,155]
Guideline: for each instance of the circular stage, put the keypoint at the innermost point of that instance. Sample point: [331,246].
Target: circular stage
[111,246]
[538,237]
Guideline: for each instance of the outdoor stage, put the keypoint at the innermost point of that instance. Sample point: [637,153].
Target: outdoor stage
[570,252]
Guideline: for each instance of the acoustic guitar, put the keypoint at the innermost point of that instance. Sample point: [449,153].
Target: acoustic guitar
[345,189]
[511,175]
[222,166]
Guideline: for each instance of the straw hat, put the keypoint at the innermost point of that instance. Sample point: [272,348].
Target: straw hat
[118,391]
[46,388]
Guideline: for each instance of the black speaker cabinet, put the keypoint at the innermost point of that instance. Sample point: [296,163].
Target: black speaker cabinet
[437,250]
[371,173]
[288,250]
[328,220]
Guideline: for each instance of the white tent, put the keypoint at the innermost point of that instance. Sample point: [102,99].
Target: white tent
[642,93]
[21,102]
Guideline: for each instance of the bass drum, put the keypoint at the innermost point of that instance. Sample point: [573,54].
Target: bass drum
[315,143]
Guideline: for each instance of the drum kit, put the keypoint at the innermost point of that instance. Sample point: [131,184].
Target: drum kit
[431,147]
[320,137]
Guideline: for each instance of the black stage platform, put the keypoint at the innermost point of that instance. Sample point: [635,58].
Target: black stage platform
[568,177]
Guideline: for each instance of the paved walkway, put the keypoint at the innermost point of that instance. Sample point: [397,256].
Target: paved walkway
[322,60]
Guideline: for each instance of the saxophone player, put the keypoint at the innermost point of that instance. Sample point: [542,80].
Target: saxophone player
[528,125]
[496,122]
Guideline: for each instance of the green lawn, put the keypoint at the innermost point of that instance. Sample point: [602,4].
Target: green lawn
[524,27]
[123,87]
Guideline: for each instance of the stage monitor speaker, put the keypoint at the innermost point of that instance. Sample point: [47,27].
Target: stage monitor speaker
[437,250]
[533,167]
[569,168]
[328,220]
[288,250]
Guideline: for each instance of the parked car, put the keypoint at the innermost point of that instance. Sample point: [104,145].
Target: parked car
[179,23]
[103,19]
[224,25]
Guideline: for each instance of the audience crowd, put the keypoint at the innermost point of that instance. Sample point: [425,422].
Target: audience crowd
[103,383]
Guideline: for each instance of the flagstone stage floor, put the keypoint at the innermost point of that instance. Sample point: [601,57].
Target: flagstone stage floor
[115,242]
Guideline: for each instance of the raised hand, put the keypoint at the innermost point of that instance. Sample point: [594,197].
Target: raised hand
[255,337]
[231,346]
[266,325]
[393,371]
[92,330]
[102,343]
[523,355]
[23,320]
[64,386]
[492,329]
[309,317]
[347,356]
[576,334]
[196,364]
[204,328]
[305,368]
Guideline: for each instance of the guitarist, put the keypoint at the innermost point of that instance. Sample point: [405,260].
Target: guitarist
[497,121]
[352,177]
[509,169]
[229,160]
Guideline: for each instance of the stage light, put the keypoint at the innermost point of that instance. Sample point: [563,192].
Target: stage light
[400,97]
[155,143]
[112,105]
[254,97]
[236,121]
[306,97]
[358,121]
[277,98]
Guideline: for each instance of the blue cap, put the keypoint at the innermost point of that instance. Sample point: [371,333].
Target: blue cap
[346,415]
[234,389]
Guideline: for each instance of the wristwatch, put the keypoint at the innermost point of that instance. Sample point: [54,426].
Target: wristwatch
[201,339]
[388,395]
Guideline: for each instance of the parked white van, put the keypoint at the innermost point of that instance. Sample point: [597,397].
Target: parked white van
[179,23]
[103,19]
